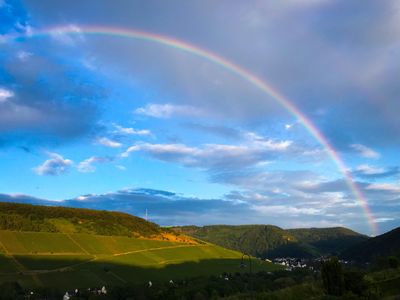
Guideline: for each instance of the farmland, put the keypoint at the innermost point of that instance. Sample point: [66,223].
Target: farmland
[81,260]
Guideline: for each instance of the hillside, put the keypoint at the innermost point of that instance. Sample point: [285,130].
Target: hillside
[332,240]
[382,245]
[269,241]
[85,260]
[61,247]
[35,218]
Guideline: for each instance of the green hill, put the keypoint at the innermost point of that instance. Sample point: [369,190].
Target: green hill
[332,240]
[35,218]
[61,248]
[269,241]
[386,244]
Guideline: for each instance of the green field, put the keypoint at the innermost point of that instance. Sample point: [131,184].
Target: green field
[83,260]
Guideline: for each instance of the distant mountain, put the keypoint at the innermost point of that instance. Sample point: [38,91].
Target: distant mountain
[382,245]
[269,241]
[36,218]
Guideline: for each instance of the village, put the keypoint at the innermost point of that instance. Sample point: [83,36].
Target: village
[291,263]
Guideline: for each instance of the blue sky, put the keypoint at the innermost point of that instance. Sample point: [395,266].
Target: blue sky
[124,124]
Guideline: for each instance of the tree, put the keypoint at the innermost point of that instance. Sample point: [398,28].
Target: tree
[332,277]
[354,282]
[393,262]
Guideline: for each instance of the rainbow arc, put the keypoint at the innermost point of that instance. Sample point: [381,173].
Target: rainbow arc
[239,71]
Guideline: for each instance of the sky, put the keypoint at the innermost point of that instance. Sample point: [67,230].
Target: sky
[204,112]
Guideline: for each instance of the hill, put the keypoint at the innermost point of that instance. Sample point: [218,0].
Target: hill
[36,218]
[85,260]
[57,247]
[332,240]
[386,244]
[269,241]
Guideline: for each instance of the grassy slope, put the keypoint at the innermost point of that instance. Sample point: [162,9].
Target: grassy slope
[272,241]
[83,260]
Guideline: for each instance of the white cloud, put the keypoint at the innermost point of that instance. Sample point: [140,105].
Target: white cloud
[5,94]
[87,166]
[364,151]
[120,167]
[213,155]
[168,110]
[367,171]
[285,210]
[90,63]
[56,165]
[386,187]
[67,35]
[24,55]
[272,145]
[383,220]
[172,149]
[109,143]
[130,131]
[370,170]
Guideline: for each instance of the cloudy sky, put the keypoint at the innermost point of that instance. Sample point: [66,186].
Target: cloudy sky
[125,123]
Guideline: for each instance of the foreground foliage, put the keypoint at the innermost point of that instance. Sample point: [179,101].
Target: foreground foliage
[279,285]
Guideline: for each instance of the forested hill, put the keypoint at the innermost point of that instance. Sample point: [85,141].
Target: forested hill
[386,244]
[26,217]
[269,241]
[331,240]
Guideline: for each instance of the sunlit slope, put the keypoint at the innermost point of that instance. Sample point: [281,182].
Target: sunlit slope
[83,260]
[53,219]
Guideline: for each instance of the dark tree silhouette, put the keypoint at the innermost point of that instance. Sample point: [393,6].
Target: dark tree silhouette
[332,277]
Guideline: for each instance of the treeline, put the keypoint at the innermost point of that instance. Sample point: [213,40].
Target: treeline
[26,217]
[17,222]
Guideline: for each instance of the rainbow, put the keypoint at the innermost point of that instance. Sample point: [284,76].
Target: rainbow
[238,71]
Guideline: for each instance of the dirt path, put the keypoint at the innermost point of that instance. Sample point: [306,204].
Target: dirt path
[154,249]
[76,243]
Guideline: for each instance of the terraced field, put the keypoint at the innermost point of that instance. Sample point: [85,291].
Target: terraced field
[83,260]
